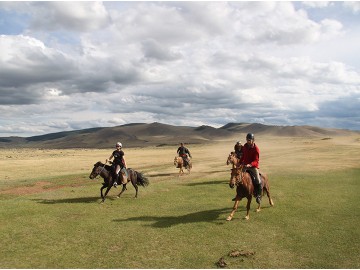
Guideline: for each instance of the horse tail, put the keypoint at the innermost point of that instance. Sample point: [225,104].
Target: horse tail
[141,180]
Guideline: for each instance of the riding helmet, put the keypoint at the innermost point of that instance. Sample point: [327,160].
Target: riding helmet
[250,136]
[119,144]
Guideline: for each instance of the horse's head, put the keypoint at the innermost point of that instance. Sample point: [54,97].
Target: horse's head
[98,167]
[233,159]
[177,160]
[230,159]
[236,176]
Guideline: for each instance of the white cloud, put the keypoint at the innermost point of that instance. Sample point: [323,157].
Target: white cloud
[354,6]
[211,62]
[316,4]
[74,16]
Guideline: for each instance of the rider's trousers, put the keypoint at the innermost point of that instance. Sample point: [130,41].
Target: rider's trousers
[255,171]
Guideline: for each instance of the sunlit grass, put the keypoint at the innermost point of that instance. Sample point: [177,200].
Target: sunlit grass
[180,222]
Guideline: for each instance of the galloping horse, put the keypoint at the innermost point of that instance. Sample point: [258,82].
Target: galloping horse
[104,171]
[245,189]
[179,163]
[233,159]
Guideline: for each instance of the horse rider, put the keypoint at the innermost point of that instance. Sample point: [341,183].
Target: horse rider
[184,152]
[119,163]
[238,149]
[250,158]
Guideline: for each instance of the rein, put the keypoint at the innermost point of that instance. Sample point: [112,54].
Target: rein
[239,180]
[100,171]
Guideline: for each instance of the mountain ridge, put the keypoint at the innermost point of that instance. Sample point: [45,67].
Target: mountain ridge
[158,134]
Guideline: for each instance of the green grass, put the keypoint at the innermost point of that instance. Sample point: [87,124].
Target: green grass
[180,223]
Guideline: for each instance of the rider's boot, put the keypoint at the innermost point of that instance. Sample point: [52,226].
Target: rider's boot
[258,189]
[116,181]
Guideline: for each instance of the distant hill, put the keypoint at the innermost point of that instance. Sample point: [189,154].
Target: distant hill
[157,134]
[286,131]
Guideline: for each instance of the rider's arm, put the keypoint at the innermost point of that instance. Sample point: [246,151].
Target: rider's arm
[255,158]
[109,158]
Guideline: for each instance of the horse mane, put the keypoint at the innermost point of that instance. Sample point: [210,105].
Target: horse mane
[99,163]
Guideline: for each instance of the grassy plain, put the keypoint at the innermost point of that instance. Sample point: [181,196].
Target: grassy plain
[51,216]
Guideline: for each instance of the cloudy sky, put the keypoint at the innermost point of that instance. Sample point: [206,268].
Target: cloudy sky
[75,65]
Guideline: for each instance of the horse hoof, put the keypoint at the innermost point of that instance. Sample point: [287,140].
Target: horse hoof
[247,217]
[258,210]
[118,197]
[229,218]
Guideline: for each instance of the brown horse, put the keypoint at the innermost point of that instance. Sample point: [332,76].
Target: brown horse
[104,171]
[233,159]
[179,163]
[245,189]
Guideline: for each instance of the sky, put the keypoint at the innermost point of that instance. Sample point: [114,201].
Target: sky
[75,65]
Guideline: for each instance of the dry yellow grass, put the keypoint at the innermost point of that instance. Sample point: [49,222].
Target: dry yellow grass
[277,153]
[180,222]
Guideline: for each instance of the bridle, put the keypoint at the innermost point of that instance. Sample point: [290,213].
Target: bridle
[241,175]
[238,176]
[232,159]
[99,172]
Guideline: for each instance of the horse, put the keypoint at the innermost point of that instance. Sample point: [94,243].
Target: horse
[179,163]
[136,178]
[233,159]
[245,189]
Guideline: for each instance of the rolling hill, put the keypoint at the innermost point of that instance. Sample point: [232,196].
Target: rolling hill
[158,134]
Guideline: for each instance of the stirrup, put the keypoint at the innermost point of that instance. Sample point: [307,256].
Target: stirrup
[258,199]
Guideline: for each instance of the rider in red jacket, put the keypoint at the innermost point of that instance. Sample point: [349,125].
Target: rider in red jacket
[250,159]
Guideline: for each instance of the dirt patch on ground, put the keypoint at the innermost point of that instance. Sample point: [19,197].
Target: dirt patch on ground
[38,187]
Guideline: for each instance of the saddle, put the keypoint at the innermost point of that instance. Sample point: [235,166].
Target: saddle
[125,178]
[253,177]
[185,160]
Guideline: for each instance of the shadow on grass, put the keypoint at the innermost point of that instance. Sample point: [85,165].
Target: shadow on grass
[73,200]
[219,171]
[168,221]
[161,174]
[221,182]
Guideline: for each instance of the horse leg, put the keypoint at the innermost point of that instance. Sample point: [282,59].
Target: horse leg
[101,193]
[267,189]
[136,188]
[258,209]
[121,192]
[106,192]
[235,207]
[181,171]
[249,198]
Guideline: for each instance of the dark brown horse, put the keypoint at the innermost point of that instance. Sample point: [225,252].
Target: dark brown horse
[136,178]
[245,189]
[179,163]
